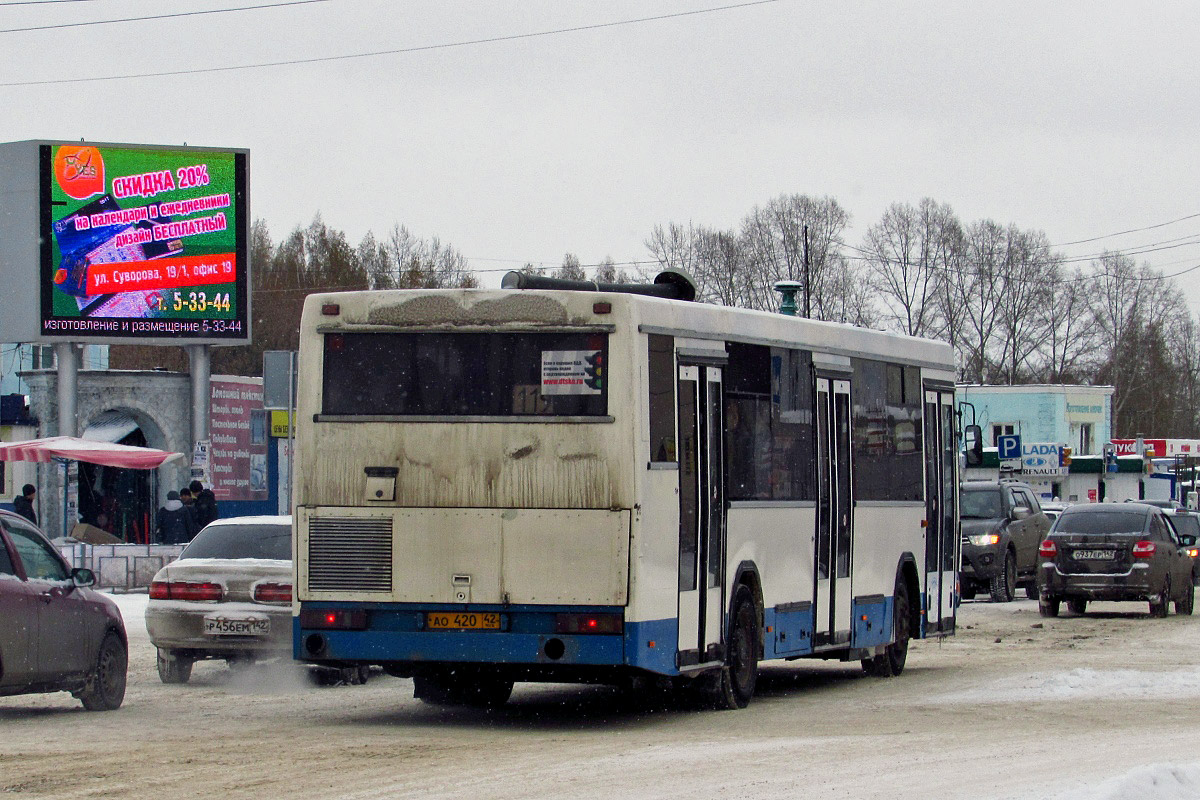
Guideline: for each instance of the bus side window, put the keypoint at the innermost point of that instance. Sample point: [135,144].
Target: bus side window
[661,358]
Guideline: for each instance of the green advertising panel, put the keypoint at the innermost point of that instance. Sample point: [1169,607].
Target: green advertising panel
[143,242]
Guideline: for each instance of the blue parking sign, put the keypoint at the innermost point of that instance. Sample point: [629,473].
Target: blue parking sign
[1009,447]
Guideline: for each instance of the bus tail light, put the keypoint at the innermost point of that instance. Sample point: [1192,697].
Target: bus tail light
[588,623]
[1048,549]
[273,593]
[182,590]
[342,619]
[1144,549]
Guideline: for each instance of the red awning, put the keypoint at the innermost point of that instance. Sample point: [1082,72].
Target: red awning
[75,449]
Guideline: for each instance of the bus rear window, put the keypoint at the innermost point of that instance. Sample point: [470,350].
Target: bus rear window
[466,374]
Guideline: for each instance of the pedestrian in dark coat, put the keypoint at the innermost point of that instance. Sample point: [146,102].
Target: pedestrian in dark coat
[23,503]
[205,505]
[175,523]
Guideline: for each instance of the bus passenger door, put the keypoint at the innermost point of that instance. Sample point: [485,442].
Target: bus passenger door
[941,532]
[701,517]
[835,513]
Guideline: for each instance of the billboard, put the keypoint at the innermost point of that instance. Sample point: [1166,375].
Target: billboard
[238,427]
[134,243]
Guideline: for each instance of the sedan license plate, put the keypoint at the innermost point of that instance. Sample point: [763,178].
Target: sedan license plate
[1095,555]
[462,621]
[215,625]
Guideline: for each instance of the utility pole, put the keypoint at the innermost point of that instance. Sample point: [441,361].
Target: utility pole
[807,278]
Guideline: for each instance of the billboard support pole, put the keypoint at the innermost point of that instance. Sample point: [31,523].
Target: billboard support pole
[200,363]
[66,356]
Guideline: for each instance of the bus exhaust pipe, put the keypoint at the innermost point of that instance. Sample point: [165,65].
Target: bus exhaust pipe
[670,284]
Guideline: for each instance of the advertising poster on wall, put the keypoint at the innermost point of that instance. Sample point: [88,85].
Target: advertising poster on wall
[237,429]
[143,242]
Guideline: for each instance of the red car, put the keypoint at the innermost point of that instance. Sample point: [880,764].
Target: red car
[56,634]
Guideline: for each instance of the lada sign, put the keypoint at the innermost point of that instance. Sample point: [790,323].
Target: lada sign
[1043,459]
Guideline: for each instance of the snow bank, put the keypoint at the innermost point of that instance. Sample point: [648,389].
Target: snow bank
[1081,683]
[1152,782]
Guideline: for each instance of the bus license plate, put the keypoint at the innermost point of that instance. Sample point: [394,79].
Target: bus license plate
[236,626]
[1096,555]
[462,621]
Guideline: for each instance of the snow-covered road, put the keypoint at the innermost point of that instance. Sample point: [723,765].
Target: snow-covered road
[1096,708]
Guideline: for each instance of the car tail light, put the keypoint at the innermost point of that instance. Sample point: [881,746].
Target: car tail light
[181,590]
[273,593]
[196,591]
[588,623]
[1048,549]
[333,619]
[1143,549]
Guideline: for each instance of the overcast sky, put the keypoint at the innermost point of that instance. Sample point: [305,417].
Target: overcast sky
[1079,119]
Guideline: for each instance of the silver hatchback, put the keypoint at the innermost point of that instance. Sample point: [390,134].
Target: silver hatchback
[229,596]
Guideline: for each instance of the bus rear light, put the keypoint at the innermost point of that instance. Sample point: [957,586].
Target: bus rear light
[273,593]
[330,309]
[333,619]
[1048,549]
[588,623]
[1143,549]
[181,590]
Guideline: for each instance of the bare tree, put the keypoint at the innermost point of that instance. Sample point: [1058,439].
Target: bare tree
[773,246]
[978,290]
[1028,273]
[1067,351]
[906,252]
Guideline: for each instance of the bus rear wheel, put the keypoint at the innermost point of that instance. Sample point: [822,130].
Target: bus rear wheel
[891,661]
[734,686]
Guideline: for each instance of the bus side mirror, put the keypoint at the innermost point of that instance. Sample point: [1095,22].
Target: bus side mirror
[973,441]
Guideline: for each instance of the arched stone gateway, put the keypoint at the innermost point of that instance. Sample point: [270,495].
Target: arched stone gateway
[160,404]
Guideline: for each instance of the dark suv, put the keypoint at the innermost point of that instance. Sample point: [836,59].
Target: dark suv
[1002,526]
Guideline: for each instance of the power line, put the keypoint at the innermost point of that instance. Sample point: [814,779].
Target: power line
[40,2]
[400,50]
[1131,230]
[158,16]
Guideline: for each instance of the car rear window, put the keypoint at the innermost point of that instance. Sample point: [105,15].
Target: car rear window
[241,541]
[1101,522]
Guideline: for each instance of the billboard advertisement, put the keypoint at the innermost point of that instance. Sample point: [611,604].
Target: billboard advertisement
[238,427]
[143,243]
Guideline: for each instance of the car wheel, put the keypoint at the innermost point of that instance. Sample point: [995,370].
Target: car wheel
[967,592]
[1048,606]
[1004,584]
[1161,604]
[106,685]
[174,669]
[734,685]
[891,661]
[1031,590]
[1077,605]
[1186,604]
[353,676]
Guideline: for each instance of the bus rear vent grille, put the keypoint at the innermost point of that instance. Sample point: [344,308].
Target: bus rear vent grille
[349,554]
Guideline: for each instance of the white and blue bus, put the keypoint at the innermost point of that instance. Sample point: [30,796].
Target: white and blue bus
[550,484]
